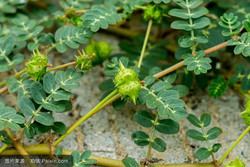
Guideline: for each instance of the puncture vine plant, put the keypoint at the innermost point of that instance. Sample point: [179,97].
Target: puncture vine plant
[155,71]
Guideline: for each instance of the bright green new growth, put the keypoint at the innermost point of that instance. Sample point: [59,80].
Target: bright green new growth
[128,83]
[236,163]
[36,66]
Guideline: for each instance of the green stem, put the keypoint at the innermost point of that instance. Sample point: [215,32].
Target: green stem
[234,145]
[145,42]
[151,138]
[3,148]
[97,108]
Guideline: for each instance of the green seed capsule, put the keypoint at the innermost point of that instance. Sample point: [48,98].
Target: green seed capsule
[101,49]
[37,65]
[128,83]
[236,163]
[124,75]
[131,89]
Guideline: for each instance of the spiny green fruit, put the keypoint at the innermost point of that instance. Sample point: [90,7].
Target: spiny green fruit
[124,75]
[236,163]
[153,12]
[101,49]
[131,89]
[245,115]
[84,61]
[36,66]
[128,83]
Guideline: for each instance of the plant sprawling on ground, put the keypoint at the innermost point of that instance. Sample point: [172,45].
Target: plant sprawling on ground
[153,70]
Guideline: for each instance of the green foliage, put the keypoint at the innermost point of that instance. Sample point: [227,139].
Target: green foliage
[140,138]
[51,96]
[154,54]
[242,44]
[241,74]
[7,62]
[211,134]
[217,87]
[159,145]
[196,21]
[230,22]
[4,137]
[7,6]
[70,36]
[100,17]
[75,4]
[58,151]
[82,159]
[10,118]
[129,162]
[146,119]
[246,24]
[199,64]
[43,27]
[161,96]
[25,29]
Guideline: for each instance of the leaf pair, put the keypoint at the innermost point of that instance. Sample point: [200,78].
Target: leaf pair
[146,119]
[6,48]
[211,134]
[230,22]
[241,74]
[70,36]
[242,45]
[198,63]
[196,21]
[100,17]
[163,97]
[83,159]
[10,118]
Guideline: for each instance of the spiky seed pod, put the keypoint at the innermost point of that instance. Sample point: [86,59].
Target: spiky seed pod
[36,66]
[128,83]
[83,61]
[131,89]
[124,75]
